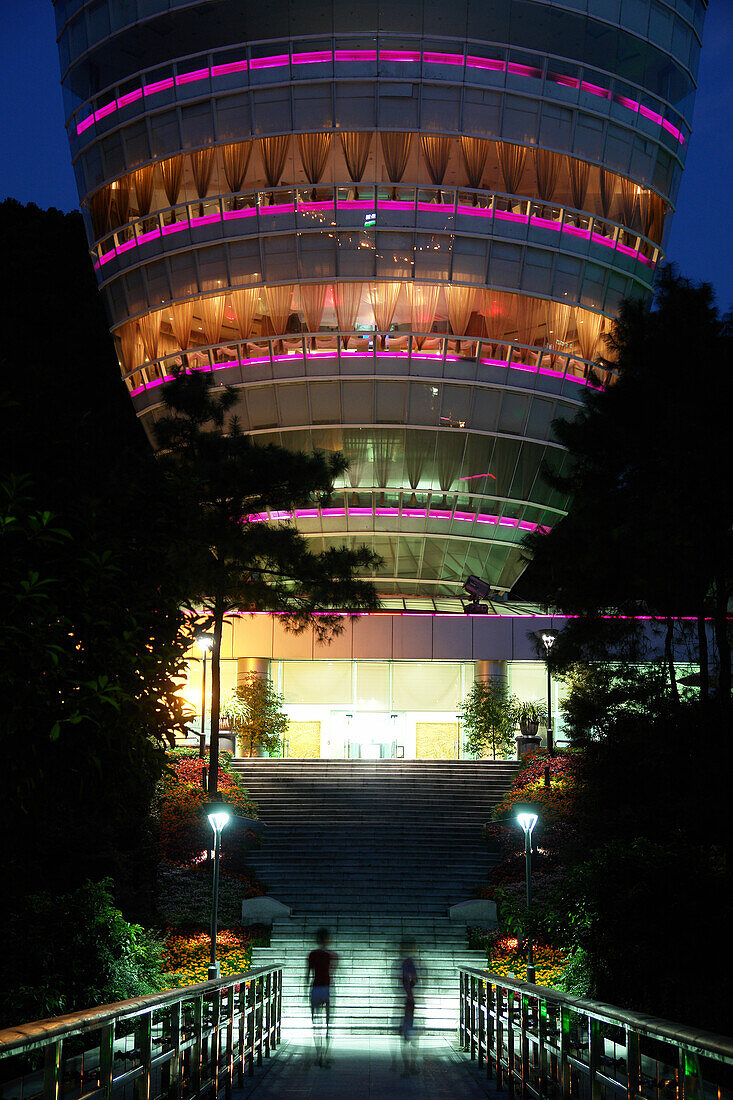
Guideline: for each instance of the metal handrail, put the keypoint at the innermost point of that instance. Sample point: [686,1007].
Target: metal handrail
[179,1043]
[547,1043]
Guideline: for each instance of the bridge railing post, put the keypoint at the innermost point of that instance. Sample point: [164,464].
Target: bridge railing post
[52,1061]
[549,1045]
[181,1044]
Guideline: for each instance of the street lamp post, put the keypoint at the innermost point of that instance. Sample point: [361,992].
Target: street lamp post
[527,822]
[204,642]
[218,814]
[548,641]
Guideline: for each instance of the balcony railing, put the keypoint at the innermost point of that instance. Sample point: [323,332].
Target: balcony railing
[540,1043]
[371,207]
[178,1044]
[409,352]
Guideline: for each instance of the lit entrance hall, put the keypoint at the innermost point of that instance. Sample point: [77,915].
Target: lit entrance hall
[369,707]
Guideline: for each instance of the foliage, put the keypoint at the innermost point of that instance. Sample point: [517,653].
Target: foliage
[530,711]
[579,975]
[186,955]
[184,895]
[183,828]
[488,716]
[645,916]
[73,951]
[94,637]
[639,452]
[224,481]
[600,691]
[531,771]
[555,834]
[256,715]
[548,920]
[87,664]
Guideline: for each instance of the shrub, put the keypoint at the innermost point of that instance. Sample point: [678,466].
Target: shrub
[531,772]
[549,918]
[184,895]
[184,830]
[74,951]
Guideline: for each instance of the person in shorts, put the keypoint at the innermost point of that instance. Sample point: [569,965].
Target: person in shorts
[321,966]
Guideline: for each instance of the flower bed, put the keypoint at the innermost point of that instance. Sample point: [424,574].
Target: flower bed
[506,959]
[187,953]
[184,831]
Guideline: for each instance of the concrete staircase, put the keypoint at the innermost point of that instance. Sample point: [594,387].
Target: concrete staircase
[375,851]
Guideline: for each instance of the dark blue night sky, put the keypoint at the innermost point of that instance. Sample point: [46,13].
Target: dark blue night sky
[36,167]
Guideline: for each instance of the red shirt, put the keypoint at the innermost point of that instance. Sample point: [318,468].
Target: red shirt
[322,963]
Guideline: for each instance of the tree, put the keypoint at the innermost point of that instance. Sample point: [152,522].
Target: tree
[489,717]
[256,715]
[94,636]
[225,482]
[89,653]
[649,531]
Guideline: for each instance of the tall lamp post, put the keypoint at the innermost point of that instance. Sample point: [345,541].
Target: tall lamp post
[548,641]
[527,822]
[204,642]
[218,814]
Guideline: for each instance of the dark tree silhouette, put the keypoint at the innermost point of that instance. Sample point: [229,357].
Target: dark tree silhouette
[649,527]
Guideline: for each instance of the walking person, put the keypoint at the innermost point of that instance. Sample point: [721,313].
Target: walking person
[409,980]
[321,965]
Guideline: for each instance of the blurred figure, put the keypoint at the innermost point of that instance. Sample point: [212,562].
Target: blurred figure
[321,964]
[409,979]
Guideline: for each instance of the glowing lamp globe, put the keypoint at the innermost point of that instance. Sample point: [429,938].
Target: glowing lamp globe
[218,814]
[527,821]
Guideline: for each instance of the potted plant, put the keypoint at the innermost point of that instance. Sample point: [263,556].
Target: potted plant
[530,716]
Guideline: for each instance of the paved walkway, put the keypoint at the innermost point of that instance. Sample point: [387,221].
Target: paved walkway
[365,1068]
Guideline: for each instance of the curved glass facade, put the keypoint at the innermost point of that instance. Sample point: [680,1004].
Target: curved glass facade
[398,229]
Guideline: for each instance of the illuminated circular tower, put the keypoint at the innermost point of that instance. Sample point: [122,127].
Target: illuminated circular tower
[398,229]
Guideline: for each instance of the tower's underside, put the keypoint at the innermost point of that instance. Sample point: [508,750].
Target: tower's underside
[399,230]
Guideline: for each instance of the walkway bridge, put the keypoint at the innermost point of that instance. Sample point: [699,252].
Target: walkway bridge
[222,1039]
[378,851]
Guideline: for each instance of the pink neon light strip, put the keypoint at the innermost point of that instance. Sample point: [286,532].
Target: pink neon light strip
[158,86]
[575,231]
[382,204]
[104,111]
[405,57]
[346,354]
[395,513]
[278,61]
[509,216]
[176,227]
[315,57]
[493,615]
[229,68]
[131,97]
[192,77]
[485,63]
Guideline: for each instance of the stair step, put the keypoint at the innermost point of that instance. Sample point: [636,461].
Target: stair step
[376,852]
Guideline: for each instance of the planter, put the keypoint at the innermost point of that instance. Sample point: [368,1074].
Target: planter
[526,744]
[528,728]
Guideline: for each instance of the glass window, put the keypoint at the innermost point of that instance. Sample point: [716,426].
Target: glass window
[372,685]
[317,683]
[433,686]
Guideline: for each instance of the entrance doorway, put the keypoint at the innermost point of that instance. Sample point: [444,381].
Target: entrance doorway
[368,735]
